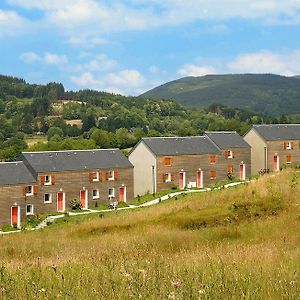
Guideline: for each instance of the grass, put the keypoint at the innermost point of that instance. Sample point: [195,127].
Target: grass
[34,139]
[240,243]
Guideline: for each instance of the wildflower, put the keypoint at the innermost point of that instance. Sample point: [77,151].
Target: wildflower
[201,292]
[176,284]
[41,290]
[292,282]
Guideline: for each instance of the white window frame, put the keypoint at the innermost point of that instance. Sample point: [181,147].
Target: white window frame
[168,177]
[113,193]
[48,182]
[31,211]
[95,178]
[229,154]
[50,197]
[31,193]
[111,174]
[97,194]
[289,146]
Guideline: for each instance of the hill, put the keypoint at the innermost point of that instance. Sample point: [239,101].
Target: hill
[263,93]
[230,244]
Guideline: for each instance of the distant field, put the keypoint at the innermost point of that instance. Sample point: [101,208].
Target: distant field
[31,140]
[240,243]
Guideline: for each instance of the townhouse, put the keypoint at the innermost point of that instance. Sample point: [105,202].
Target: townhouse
[273,146]
[235,150]
[177,162]
[45,182]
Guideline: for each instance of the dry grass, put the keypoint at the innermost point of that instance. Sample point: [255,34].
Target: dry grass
[35,139]
[233,244]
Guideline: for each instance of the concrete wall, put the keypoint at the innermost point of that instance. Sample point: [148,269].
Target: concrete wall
[258,145]
[143,160]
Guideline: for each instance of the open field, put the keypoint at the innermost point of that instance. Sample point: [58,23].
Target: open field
[34,139]
[240,243]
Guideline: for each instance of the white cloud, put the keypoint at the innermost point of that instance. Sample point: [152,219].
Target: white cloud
[12,24]
[100,63]
[195,70]
[47,58]
[128,82]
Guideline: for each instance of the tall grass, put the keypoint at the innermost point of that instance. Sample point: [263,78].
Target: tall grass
[241,243]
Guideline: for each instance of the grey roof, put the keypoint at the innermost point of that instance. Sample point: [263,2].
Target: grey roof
[15,173]
[56,161]
[181,145]
[227,139]
[274,132]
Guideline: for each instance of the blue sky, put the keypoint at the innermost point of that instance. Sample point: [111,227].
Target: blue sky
[131,46]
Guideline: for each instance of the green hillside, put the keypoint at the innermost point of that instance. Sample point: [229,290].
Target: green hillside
[240,243]
[264,93]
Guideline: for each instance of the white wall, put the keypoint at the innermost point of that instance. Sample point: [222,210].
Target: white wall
[143,160]
[258,145]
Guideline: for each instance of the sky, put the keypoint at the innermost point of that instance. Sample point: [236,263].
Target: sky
[131,46]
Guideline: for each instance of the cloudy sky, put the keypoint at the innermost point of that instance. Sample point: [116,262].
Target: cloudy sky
[130,46]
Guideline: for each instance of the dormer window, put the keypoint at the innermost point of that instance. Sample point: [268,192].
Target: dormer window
[29,190]
[288,145]
[95,176]
[47,180]
[111,175]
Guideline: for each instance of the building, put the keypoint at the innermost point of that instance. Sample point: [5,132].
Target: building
[236,152]
[45,182]
[273,146]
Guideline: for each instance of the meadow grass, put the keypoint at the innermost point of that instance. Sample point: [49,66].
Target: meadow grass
[240,243]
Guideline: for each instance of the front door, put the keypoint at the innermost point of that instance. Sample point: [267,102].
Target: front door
[200,179]
[122,194]
[242,172]
[83,199]
[181,180]
[60,201]
[276,163]
[15,216]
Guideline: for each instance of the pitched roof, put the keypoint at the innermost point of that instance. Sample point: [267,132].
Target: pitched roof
[274,132]
[15,173]
[180,145]
[56,161]
[227,139]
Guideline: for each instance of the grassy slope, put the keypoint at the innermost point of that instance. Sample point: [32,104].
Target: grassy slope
[269,94]
[232,244]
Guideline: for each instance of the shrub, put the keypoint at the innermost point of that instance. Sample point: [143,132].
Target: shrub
[75,204]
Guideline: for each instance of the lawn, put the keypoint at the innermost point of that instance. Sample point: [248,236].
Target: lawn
[240,243]
[34,139]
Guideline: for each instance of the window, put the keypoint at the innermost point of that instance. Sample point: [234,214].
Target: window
[168,177]
[48,198]
[213,159]
[47,180]
[29,190]
[111,175]
[229,154]
[229,169]
[95,176]
[167,161]
[288,159]
[288,145]
[213,174]
[111,192]
[29,209]
[95,194]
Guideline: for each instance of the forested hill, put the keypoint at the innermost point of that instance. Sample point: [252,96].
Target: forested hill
[264,93]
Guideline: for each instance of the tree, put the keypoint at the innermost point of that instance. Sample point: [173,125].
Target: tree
[55,131]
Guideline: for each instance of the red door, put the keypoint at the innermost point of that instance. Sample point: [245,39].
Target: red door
[275,163]
[122,194]
[60,201]
[242,172]
[200,179]
[15,215]
[181,178]
[83,199]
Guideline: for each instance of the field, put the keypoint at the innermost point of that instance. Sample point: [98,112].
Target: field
[240,243]
[34,139]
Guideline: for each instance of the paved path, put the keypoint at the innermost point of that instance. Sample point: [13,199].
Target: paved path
[51,219]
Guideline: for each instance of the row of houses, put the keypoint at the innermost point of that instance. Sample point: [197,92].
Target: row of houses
[45,182]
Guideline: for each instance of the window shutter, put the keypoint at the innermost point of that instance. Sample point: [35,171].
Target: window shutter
[53,180]
[24,191]
[288,158]
[116,174]
[299,145]
[91,176]
[164,177]
[167,161]
[42,180]
[284,145]
[292,145]
[100,176]
[107,175]
[213,174]
[172,177]
[226,154]
[35,189]
[233,153]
